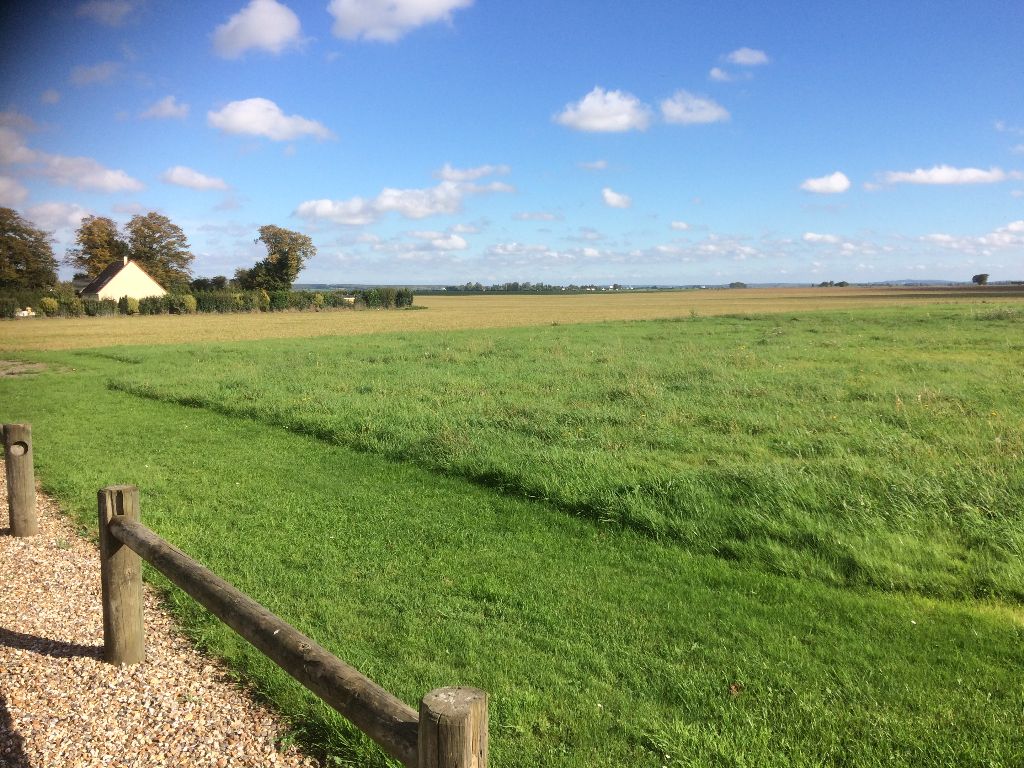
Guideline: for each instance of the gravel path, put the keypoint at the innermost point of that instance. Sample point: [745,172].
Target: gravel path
[61,705]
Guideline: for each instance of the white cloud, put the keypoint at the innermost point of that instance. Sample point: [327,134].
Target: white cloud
[263,25]
[50,96]
[614,199]
[447,173]
[685,108]
[262,117]
[827,185]
[1010,236]
[1004,127]
[680,226]
[594,165]
[86,173]
[13,148]
[181,176]
[720,75]
[98,73]
[603,111]
[79,172]
[167,107]
[53,217]
[747,57]
[814,237]
[536,216]
[388,20]
[946,174]
[11,191]
[109,12]
[444,198]
[443,241]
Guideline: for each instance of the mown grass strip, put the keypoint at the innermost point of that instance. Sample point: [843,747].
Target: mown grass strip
[871,448]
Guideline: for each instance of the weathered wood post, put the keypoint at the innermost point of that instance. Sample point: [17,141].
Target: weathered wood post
[21,481]
[124,639]
[453,729]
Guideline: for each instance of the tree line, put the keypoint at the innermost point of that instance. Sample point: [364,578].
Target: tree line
[152,240]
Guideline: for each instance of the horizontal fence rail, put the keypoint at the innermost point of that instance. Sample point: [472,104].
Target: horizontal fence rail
[449,730]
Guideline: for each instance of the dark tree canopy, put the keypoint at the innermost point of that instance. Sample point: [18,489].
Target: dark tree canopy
[981,279]
[26,256]
[98,245]
[287,253]
[161,248]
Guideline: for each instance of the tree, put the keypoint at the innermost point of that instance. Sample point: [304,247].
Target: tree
[99,245]
[287,254]
[981,279]
[161,248]
[26,256]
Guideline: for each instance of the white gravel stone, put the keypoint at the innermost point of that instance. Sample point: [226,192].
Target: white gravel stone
[62,705]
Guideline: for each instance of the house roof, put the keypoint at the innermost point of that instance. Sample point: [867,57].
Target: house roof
[111,271]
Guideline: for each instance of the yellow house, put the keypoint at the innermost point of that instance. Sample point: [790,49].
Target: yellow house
[122,279]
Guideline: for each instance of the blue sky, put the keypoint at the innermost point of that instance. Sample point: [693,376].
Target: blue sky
[445,141]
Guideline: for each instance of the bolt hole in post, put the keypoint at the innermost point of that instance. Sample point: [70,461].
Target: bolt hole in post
[21,482]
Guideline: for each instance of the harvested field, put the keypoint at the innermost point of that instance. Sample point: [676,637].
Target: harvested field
[447,313]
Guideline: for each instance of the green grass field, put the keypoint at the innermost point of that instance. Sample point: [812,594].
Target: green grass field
[776,540]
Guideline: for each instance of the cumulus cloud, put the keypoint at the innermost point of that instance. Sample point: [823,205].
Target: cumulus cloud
[747,57]
[603,111]
[112,13]
[262,117]
[946,174]
[814,237]
[448,173]
[719,75]
[54,217]
[536,216]
[50,96]
[594,165]
[98,73]
[13,148]
[827,185]
[442,241]
[615,200]
[167,107]
[79,172]
[684,108]
[264,25]
[11,191]
[680,226]
[86,173]
[388,20]
[444,198]
[181,176]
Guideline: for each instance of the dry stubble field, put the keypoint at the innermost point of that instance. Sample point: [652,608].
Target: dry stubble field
[443,313]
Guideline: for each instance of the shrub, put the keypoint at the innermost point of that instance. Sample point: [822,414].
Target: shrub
[152,305]
[92,308]
[8,307]
[403,297]
[71,306]
[262,300]
[278,300]
[126,305]
[108,307]
[48,306]
[188,303]
[300,300]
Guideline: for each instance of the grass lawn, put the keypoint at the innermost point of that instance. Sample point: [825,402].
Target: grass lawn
[738,541]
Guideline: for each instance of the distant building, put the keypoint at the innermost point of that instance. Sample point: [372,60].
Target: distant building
[122,279]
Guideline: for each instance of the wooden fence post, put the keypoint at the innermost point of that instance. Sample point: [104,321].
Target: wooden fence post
[453,729]
[124,639]
[21,482]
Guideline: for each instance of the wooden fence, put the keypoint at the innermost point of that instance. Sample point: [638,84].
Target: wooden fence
[448,731]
